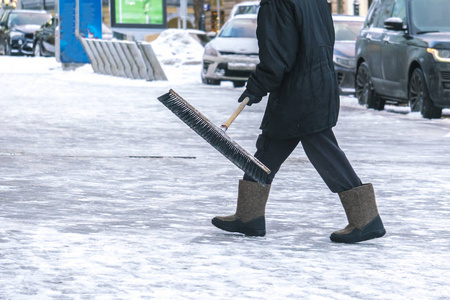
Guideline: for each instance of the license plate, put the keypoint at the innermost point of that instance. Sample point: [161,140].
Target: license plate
[242,66]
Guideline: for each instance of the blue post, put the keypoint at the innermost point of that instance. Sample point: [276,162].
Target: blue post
[89,26]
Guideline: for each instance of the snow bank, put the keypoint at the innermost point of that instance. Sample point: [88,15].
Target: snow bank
[27,65]
[177,47]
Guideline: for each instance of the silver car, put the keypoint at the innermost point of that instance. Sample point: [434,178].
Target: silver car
[233,54]
[246,7]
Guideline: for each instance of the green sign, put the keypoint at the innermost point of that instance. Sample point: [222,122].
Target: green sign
[138,13]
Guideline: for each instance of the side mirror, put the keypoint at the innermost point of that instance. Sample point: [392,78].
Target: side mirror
[211,34]
[2,23]
[394,23]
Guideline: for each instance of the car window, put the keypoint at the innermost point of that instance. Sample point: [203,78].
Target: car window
[347,30]
[385,12]
[399,10]
[239,28]
[4,16]
[373,14]
[51,23]
[246,9]
[16,19]
[430,15]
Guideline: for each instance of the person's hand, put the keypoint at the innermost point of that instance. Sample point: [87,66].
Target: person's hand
[253,98]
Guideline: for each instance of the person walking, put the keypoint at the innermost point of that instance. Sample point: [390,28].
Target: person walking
[296,40]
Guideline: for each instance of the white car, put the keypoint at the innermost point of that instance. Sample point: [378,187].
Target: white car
[233,54]
[246,7]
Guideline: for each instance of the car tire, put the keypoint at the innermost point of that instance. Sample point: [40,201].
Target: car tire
[37,50]
[419,98]
[364,90]
[212,82]
[238,84]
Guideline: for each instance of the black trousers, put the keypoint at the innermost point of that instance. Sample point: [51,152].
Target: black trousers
[322,151]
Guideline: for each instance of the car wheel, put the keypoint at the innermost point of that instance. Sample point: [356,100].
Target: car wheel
[37,50]
[212,82]
[419,98]
[364,89]
[238,84]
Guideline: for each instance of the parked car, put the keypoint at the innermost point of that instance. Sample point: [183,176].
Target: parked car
[107,33]
[403,56]
[347,29]
[17,29]
[233,54]
[44,39]
[246,7]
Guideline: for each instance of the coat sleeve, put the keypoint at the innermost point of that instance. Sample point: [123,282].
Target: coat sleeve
[278,42]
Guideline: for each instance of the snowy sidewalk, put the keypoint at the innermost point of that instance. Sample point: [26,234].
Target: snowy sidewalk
[105,194]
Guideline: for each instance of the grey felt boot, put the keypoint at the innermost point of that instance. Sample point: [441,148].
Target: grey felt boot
[251,206]
[362,214]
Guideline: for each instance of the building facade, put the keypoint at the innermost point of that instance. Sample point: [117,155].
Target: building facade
[212,7]
[209,21]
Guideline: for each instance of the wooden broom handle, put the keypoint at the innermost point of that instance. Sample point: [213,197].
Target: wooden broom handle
[235,114]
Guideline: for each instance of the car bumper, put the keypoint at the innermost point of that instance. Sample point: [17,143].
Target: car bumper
[21,46]
[229,67]
[438,75]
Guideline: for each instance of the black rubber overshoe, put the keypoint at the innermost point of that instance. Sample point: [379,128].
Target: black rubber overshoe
[256,227]
[374,229]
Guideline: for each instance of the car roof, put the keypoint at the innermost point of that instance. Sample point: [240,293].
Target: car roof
[349,18]
[29,11]
[246,3]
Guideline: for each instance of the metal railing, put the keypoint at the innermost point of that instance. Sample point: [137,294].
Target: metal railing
[135,60]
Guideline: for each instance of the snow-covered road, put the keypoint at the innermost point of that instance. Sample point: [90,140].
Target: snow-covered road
[105,194]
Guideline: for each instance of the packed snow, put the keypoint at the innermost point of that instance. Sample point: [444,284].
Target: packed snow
[177,47]
[105,194]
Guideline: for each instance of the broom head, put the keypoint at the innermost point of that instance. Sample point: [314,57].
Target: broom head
[215,136]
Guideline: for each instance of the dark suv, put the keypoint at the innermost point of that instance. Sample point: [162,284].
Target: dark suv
[403,56]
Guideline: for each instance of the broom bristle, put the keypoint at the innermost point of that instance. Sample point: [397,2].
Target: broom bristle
[215,136]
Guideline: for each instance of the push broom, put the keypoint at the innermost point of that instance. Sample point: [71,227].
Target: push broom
[216,136]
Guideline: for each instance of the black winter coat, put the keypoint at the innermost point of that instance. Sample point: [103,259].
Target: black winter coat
[296,40]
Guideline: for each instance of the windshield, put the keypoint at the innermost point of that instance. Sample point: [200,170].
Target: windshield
[239,28]
[247,9]
[430,15]
[28,19]
[347,30]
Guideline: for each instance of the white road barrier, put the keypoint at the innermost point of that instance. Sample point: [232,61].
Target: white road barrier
[135,60]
